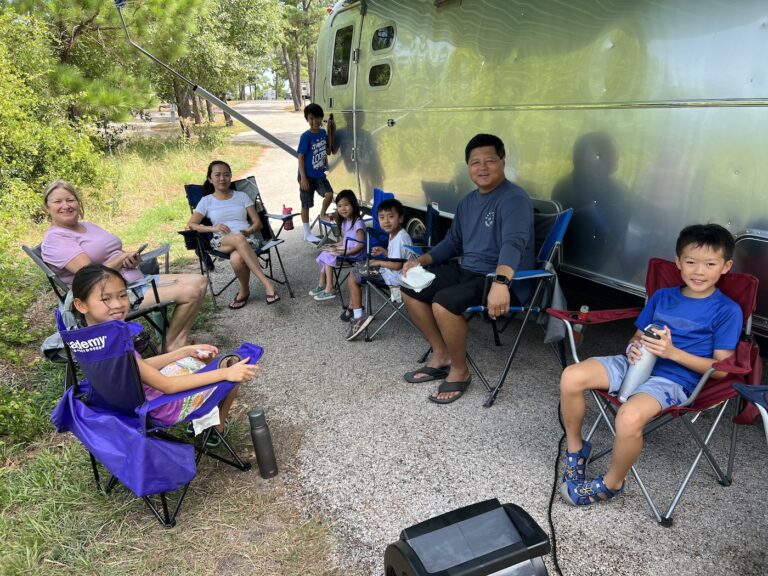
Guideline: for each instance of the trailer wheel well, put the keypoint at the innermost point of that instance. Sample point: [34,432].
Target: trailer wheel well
[415,226]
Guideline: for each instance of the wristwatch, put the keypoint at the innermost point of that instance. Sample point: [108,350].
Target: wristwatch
[501,279]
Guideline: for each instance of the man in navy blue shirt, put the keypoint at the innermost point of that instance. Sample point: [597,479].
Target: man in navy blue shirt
[492,231]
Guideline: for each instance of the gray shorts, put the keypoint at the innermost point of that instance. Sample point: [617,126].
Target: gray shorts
[666,392]
[319,185]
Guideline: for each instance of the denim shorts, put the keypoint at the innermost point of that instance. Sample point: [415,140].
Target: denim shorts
[666,392]
[142,290]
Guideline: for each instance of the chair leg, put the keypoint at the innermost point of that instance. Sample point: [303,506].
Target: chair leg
[285,276]
[235,461]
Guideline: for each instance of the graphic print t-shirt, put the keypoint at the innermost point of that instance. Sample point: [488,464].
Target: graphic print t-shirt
[314,146]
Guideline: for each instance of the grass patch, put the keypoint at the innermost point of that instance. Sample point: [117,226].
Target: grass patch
[54,521]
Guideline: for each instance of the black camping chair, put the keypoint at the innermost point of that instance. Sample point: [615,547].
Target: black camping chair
[200,242]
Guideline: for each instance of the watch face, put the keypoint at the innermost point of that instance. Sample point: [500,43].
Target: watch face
[501,279]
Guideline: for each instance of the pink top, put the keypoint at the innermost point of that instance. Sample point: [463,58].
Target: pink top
[61,245]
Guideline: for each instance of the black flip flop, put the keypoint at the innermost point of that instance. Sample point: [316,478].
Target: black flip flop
[272,298]
[459,387]
[431,374]
[238,303]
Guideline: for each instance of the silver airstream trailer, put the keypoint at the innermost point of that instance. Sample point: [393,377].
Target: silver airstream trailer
[642,116]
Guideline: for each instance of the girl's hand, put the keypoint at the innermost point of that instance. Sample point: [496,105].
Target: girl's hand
[241,371]
[378,251]
[663,347]
[221,228]
[246,232]
[202,351]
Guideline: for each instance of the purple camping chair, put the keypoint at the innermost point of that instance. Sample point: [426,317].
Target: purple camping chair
[108,413]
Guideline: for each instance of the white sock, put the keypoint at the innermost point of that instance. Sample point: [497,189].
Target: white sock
[307,229]
[357,313]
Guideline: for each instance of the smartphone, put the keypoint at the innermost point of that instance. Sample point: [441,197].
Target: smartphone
[651,330]
[141,248]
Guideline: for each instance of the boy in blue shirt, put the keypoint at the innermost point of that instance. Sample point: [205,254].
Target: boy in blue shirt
[700,326]
[314,146]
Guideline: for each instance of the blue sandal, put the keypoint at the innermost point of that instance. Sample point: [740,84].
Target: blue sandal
[576,464]
[589,492]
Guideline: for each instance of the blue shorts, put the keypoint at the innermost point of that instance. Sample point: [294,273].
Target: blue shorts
[666,392]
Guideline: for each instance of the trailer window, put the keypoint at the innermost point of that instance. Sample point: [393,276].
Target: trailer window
[342,49]
[379,75]
[383,38]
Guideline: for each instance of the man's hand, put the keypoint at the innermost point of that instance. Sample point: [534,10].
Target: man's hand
[408,265]
[498,300]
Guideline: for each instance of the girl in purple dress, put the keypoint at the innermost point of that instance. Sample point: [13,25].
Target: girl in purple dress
[352,244]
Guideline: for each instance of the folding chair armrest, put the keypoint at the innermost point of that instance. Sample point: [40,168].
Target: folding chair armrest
[594,316]
[163,250]
[418,250]
[738,363]
[283,217]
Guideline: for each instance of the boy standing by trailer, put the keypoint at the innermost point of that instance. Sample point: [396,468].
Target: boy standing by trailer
[314,146]
[701,326]
[390,214]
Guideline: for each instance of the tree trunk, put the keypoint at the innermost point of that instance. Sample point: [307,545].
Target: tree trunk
[227,118]
[209,110]
[291,76]
[242,92]
[311,73]
[196,111]
[296,94]
[181,95]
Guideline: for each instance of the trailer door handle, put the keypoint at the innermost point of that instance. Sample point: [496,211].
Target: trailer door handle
[391,122]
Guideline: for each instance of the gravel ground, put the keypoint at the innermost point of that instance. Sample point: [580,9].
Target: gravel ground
[377,456]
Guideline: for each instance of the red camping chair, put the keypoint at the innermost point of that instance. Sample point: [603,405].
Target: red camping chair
[708,394]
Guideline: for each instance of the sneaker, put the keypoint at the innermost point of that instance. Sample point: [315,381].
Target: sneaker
[323,295]
[357,327]
[312,238]
[576,464]
[315,291]
[214,440]
[346,315]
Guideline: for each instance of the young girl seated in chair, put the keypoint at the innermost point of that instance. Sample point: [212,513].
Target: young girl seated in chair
[352,244]
[101,294]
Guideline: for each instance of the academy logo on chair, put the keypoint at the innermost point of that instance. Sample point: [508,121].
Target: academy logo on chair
[90,345]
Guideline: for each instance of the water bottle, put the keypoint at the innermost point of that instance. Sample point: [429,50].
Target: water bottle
[640,371]
[578,329]
[288,222]
[262,443]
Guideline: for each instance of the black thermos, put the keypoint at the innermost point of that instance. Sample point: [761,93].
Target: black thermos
[262,443]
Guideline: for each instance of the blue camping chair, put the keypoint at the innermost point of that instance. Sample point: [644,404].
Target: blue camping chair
[758,395]
[200,242]
[108,413]
[552,227]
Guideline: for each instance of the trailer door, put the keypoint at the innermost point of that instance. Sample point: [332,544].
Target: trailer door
[340,94]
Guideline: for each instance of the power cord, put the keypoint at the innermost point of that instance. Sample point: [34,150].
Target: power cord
[555,482]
